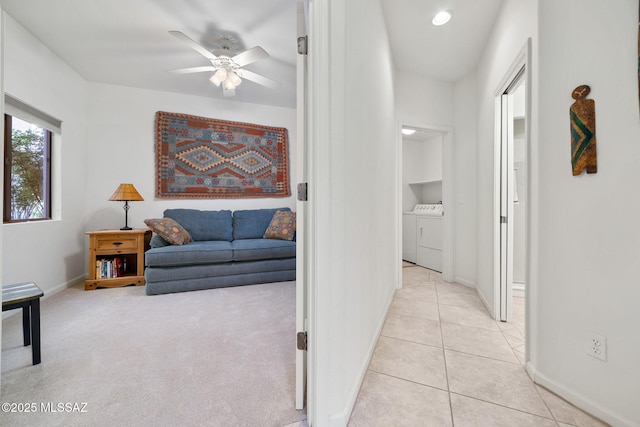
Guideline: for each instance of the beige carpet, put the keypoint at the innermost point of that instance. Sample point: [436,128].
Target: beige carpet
[221,357]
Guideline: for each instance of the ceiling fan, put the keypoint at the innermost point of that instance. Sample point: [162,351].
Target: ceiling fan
[226,65]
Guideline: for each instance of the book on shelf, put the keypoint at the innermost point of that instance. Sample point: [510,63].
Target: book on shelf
[110,268]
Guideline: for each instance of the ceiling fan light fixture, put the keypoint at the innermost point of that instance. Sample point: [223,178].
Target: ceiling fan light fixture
[442,18]
[228,85]
[234,79]
[227,64]
[219,76]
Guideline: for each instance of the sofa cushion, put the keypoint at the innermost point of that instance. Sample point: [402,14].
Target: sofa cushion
[186,272]
[251,224]
[282,226]
[190,254]
[169,229]
[156,288]
[204,225]
[157,241]
[255,249]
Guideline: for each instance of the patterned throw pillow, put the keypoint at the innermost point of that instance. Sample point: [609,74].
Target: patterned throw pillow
[282,226]
[169,230]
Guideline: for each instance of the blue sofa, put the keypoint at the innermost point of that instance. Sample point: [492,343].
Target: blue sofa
[227,250]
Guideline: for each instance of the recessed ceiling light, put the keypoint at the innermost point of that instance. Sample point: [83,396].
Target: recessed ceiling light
[442,18]
[406,131]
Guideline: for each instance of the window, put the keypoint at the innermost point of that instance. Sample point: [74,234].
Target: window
[27,171]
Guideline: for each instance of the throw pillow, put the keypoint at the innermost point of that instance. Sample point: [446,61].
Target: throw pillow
[169,230]
[282,226]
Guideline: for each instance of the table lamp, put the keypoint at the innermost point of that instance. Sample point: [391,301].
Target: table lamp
[126,193]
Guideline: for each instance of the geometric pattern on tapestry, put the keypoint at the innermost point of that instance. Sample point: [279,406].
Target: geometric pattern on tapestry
[200,157]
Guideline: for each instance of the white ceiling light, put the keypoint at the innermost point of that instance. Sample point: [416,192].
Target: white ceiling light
[219,76]
[442,18]
[406,131]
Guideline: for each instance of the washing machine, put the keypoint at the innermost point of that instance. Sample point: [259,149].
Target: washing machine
[422,235]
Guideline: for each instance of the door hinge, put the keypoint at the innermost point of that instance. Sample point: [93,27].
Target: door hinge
[503,220]
[301,339]
[303,45]
[303,192]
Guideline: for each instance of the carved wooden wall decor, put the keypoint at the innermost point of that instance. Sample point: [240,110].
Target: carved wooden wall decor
[583,132]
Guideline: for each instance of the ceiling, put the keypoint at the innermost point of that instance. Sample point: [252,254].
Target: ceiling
[126,42]
[448,52]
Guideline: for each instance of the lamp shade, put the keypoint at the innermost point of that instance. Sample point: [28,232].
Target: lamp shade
[126,193]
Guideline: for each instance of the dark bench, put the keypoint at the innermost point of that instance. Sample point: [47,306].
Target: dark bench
[26,296]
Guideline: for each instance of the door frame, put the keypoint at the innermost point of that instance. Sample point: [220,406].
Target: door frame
[520,68]
[301,208]
[447,205]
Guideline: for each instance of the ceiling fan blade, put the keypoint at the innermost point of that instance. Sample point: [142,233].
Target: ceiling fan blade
[250,55]
[192,70]
[195,46]
[257,78]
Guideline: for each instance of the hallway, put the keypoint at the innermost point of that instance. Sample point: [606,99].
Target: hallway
[442,361]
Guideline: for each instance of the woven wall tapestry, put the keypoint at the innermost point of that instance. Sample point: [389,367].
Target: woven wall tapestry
[199,157]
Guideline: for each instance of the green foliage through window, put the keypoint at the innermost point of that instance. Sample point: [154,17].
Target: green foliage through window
[27,171]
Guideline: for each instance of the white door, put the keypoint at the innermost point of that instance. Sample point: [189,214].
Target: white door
[507,197]
[301,208]
[506,209]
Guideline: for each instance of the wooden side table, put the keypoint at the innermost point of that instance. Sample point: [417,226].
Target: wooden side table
[116,258]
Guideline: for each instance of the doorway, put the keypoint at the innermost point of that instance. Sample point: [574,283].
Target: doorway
[511,194]
[424,179]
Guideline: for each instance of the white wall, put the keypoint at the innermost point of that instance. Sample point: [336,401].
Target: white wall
[50,253]
[432,158]
[422,100]
[421,161]
[412,160]
[121,142]
[589,237]
[516,22]
[465,182]
[356,197]
[432,192]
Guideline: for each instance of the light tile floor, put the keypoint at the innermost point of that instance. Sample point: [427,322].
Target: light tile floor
[442,361]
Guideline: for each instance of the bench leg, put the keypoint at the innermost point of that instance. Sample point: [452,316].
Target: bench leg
[35,330]
[26,324]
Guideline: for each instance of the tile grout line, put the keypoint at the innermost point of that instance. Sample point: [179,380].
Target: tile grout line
[484,357]
[506,407]
[513,332]
[444,357]
[407,380]
[553,417]
[410,342]
[467,326]
[535,386]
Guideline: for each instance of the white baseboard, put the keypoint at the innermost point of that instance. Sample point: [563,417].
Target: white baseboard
[518,290]
[48,293]
[486,304]
[465,282]
[575,398]
[63,286]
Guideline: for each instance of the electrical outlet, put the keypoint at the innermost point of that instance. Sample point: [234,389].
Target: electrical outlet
[598,347]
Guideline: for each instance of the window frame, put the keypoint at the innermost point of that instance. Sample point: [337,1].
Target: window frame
[47,178]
